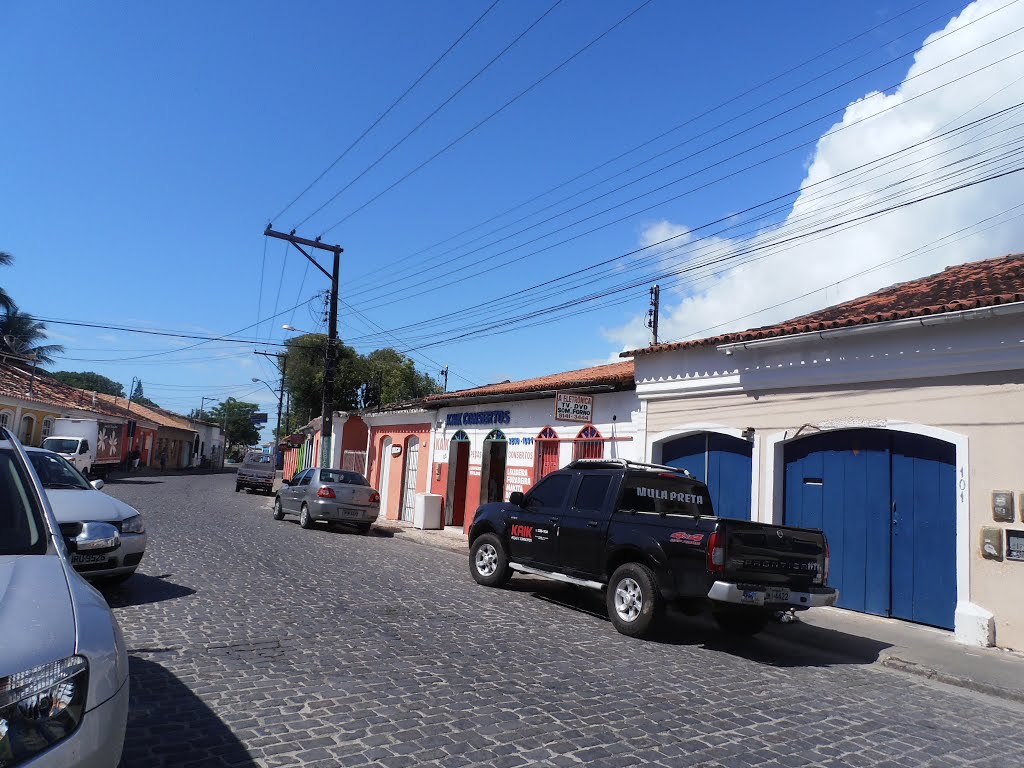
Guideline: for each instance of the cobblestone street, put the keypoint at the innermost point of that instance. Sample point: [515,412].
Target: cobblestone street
[257,643]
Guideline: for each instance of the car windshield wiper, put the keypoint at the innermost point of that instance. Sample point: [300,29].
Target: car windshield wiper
[63,485]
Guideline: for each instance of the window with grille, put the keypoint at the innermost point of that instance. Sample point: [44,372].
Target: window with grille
[47,427]
[588,444]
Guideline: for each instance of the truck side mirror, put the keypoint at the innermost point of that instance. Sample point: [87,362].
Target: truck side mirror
[517,498]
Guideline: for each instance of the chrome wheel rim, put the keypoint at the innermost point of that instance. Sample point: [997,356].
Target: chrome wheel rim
[304,516]
[486,560]
[629,600]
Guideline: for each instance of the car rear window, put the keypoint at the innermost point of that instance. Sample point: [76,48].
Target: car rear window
[21,521]
[666,495]
[342,476]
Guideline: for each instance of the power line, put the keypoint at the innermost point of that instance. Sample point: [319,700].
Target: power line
[687,122]
[491,116]
[426,119]
[369,293]
[387,111]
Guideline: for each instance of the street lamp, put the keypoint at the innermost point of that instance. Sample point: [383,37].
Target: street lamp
[280,398]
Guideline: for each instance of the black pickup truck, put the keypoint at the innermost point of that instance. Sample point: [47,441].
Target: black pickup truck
[648,536]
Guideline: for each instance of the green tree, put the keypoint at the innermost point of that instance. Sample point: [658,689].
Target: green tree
[6,302]
[21,334]
[236,417]
[139,397]
[94,382]
[391,377]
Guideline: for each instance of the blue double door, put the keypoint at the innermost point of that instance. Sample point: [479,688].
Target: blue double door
[887,502]
[721,461]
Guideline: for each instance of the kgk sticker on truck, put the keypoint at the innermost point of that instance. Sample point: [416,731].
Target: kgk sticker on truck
[522,533]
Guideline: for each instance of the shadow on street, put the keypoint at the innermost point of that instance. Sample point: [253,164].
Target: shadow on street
[778,645]
[142,589]
[168,725]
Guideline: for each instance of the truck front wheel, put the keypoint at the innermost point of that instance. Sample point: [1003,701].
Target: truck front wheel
[634,602]
[488,561]
[742,622]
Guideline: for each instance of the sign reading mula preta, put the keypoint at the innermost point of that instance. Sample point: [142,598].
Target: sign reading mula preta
[1015,545]
[570,407]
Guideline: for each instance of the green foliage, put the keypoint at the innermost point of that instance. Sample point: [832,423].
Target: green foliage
[94,382]
[139,397]
[21,333]
[6,302]
[236,416]
[382,377]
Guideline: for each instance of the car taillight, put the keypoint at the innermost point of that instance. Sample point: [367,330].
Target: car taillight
[326,493]
[716,552]
[374,498]
[824,572]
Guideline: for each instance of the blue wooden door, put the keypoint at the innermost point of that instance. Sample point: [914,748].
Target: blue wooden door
[923,530]
[721,461]
[886,502]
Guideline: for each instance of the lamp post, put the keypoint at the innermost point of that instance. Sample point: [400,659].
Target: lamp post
[280,399]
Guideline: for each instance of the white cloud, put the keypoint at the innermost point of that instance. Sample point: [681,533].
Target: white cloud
[740,298]
[108,337]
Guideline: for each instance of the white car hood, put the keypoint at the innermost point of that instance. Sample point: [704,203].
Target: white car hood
[72,505]
[35,612]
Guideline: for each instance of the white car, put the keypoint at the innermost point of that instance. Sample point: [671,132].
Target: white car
[76,502]
[63,663]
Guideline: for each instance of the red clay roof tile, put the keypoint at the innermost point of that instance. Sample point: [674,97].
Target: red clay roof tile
[967,286]
[620,374]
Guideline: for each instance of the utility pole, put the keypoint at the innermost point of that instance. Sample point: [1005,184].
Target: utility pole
[327,430]
[202,406]
[652,313]
[444,372]
[282,367]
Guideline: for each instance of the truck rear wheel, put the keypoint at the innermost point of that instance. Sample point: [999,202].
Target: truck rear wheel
[488,561]
[742,622]
[634,602]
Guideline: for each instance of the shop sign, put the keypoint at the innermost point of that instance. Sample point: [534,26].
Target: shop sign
[477,417]
[396,450]
[1015,545]
[569,407]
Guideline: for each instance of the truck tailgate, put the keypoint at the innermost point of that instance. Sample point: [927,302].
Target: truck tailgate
[772,554]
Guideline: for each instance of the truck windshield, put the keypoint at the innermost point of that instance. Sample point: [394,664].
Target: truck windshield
[21,520]
[61,444]
[666,495]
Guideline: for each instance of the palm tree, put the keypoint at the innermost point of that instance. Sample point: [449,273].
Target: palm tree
[6,302]
[20,335]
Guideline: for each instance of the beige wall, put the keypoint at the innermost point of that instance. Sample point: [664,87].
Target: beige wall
[987,409]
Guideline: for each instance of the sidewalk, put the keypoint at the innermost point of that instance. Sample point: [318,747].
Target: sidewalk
[450,538]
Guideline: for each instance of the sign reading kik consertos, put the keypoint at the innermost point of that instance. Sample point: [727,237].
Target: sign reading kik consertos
[569,407]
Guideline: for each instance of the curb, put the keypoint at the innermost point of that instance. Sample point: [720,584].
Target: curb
[913,668]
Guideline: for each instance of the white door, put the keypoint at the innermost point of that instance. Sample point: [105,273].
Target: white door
[385,474]
[412,462]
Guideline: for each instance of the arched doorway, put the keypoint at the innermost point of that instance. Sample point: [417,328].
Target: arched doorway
[588,444]
[458,473]
[28,426]
[723,462]
[492,470]
[412,465]
[385,476]
[887,502]
[546,454]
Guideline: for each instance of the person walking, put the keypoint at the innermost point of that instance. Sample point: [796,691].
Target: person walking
[163,459]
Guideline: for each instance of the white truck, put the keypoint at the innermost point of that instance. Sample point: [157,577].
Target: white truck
[257,473]
[93,446]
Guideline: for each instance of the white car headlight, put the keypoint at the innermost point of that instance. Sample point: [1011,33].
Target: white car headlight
[133,524]
[40,707]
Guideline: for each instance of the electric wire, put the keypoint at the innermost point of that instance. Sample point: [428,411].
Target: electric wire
[387,111]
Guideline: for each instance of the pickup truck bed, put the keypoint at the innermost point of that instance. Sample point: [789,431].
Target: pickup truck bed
[648,536]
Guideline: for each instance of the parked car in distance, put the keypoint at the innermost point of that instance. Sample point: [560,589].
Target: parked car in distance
[336,495]
[77,503]
[647,535]
[256,473]
[63,663]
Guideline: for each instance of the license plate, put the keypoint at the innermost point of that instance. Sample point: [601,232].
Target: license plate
[776,595]
[77,559]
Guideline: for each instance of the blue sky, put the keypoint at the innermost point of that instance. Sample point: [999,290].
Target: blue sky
[146,146]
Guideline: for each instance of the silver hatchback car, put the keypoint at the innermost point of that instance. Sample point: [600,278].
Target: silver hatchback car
[336,495]
[63,663]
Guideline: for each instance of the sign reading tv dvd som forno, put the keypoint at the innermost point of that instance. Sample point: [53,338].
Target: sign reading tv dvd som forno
[569,407]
